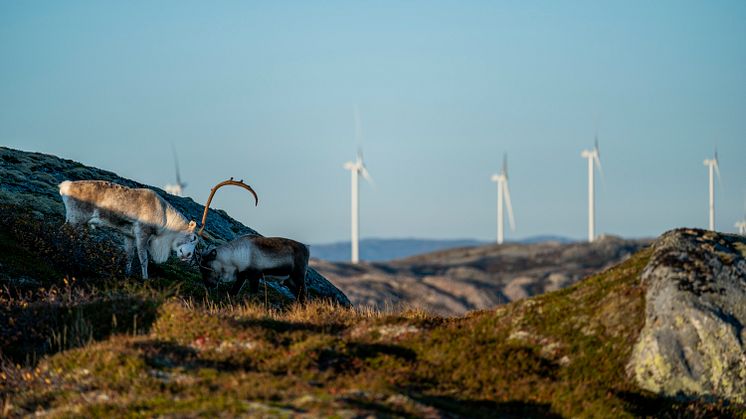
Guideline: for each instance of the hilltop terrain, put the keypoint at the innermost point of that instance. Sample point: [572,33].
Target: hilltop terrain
[660,334]
[563,354]
[457,280]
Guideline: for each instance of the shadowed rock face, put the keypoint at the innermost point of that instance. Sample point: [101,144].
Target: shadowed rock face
[29,181]
[693,342]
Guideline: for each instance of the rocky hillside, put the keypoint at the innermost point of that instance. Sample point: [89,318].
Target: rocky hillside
[458,280]
[31,213]
[660,334]
[611,345]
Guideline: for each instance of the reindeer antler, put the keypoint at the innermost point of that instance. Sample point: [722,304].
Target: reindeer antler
[218,186]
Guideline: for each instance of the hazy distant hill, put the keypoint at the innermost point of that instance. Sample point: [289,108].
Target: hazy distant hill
[379,250]
[454,281]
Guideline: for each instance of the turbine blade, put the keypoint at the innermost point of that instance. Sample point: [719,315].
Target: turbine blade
[597,161]
[176,163]
[366,176]
[595,146]
[506,193]
[358,127]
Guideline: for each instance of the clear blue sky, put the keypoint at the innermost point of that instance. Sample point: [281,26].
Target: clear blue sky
[265,91]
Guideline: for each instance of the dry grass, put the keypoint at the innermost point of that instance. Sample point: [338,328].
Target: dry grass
[562,354]
[105,346]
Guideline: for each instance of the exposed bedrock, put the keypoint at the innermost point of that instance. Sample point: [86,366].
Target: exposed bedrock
[692,343]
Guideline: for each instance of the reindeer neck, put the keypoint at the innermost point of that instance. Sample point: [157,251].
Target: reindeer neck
[174,220]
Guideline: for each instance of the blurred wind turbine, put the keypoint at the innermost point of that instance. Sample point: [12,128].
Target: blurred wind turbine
[356,168]
[712,166]
[741,225]
[178,188]
[503,192]
[594,158]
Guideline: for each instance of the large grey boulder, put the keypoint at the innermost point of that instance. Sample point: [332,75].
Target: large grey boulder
[28,182]
[693,340]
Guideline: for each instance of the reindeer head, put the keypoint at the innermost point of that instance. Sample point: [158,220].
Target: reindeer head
[185,245]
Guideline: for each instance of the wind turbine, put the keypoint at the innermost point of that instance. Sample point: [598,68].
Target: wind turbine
[356,168]
[178,188]
[503,192]
[712,166]
[741,225]
[594,158]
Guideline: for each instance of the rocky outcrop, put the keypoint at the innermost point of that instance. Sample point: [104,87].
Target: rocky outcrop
[693,341]
[28,183]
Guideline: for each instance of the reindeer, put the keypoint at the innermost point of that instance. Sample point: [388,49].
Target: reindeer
[251,257]
[148,223]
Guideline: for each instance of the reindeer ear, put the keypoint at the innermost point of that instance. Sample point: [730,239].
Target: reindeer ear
[192,225]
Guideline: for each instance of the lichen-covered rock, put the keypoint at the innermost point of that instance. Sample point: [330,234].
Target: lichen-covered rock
[693,341]
[29,181]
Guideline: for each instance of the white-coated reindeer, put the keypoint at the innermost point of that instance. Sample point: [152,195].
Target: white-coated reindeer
[251,257]
[150,225]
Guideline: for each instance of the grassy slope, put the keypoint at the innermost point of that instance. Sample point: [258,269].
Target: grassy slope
[101,345]
[559,354]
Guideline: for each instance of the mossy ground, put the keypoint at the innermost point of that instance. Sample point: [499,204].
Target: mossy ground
[104,345]
[561,354]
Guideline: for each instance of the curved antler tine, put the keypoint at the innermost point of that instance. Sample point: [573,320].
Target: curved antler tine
[218,186]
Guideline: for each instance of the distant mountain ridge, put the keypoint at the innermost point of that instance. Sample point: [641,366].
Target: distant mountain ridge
[454,281]
[380,249]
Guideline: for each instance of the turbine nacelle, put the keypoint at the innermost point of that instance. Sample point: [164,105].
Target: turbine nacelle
[499,178]
[589,154]
[351,166]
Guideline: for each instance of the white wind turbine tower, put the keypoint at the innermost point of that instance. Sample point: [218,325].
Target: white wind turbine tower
[356,168]
[178,188]
[503,192]
[593,157]
[712,166]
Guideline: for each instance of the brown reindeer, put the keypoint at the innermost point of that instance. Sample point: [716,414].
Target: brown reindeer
[252,257]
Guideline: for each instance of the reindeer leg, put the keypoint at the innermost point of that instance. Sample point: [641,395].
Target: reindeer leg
[240,280]
[301,281]
[253,278]
[297,284]
[254,283]
[141,242]
[129,250]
